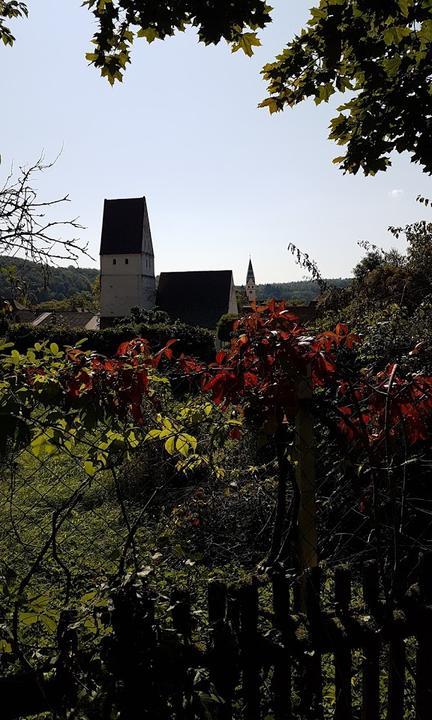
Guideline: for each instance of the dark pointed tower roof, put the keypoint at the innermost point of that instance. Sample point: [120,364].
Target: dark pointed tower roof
[250,273]
[126,227]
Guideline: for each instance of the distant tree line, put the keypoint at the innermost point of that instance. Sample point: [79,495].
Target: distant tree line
[29,283]
[302,291]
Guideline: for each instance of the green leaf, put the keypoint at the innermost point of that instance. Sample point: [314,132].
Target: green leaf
[29,618]
[395,34]
[190,439]
[49,620]
[271,104]
[150,34]
[133,440]
[90,468]
[404,6]
[170,445]
[42,444]
[392,65]
[247,42]
[182,445]
[325,92]
[5,646]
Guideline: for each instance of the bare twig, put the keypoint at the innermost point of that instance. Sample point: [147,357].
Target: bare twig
[25,228]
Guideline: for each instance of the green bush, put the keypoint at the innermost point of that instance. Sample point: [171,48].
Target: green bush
[191,340]
[225,327]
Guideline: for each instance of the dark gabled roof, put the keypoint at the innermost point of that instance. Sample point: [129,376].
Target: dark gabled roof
[126,227]
[197,298]
[19,313]
[67,318]
[25,316]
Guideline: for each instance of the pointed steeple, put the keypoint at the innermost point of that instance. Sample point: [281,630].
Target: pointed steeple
[250,284]
[250,273]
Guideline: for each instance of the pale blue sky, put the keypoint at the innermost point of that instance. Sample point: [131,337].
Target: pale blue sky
[222,178]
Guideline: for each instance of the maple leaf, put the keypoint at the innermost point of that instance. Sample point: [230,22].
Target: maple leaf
[247,42]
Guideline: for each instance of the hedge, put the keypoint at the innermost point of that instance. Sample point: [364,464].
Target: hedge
[191,340]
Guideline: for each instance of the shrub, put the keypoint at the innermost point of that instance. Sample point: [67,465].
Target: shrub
[191,340]
[225,327]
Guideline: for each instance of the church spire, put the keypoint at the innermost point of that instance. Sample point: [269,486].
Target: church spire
[250,273]
[250,284]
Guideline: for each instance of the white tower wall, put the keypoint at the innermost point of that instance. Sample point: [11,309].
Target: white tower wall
[127,281]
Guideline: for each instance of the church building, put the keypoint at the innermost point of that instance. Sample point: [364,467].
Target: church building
[128,280]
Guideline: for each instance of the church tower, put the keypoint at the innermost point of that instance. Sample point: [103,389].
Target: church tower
[250,284]
[126,259]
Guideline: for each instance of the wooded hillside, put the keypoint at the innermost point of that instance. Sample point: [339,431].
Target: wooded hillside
[30,282]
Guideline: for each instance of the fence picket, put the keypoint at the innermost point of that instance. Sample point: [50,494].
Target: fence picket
[396,683]
[228,676]
[248,596]
[371,668]
[282,668]
[342,656]
[313,705]
[223,658]
[424,640]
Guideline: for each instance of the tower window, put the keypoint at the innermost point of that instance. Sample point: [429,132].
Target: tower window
[126,261]
[114,261]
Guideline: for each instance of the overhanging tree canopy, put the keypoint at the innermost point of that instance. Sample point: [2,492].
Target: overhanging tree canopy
[121,21]
[380,53]
[9,11]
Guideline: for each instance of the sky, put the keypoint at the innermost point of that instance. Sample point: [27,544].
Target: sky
[223,179]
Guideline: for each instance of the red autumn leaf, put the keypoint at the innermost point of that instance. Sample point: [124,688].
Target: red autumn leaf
[164,352]
[250,379]
[123,348]
[341,330]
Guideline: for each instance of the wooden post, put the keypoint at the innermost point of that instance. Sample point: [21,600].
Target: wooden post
[305,477]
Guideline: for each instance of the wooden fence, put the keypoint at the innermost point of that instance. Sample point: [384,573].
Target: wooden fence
[308,649]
